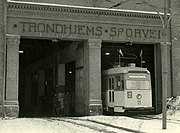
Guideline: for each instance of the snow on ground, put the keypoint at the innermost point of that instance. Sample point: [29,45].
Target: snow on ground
[97,124]
[137,125]
[91,124]
[40,125]
[173,109]
[173,112]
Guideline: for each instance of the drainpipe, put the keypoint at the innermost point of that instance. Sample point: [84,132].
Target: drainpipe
[171,43]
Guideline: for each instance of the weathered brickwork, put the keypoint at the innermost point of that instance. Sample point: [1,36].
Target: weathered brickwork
[176,47]
[2,42]
[103,3]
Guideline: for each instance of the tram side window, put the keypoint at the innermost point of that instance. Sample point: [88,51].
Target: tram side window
[120,83]
[118,87]
[111,84]
[109,96]
[112,96]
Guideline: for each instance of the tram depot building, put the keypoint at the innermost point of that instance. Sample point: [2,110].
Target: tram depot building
[58,47]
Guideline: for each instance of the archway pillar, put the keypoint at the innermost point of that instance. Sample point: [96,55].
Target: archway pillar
[11,104]
[92,67]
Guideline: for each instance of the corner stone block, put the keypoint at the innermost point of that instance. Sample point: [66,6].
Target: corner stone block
[95,107]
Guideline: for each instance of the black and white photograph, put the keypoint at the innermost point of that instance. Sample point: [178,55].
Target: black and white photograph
[89,66]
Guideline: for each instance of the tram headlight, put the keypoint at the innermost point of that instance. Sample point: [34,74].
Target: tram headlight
[139,96]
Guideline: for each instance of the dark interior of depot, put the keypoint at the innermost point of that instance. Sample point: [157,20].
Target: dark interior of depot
[38,79]
[39,58]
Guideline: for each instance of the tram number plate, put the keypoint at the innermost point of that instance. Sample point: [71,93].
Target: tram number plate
[129,94]
[139,102]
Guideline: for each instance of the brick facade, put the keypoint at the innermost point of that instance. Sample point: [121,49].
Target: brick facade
[12,76]
[130,5]
[93,103]
[175,25]
[2,53]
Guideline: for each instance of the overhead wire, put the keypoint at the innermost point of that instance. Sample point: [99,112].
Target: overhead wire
[110,7]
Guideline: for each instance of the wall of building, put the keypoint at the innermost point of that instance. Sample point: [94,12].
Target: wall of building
[68,54]
[98,3]
[129,5]
[2,50]
[176,46]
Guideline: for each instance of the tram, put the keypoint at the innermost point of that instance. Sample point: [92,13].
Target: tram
[126,89]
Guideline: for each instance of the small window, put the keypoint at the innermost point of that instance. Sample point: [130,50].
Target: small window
[113,83]
[112,96]
[122,84]
[109,96]
[109,83]
[118,84]
[137,85]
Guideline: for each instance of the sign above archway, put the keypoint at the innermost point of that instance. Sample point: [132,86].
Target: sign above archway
[82,24]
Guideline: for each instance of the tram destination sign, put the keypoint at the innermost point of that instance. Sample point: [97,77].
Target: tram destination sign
[137,76]
[82,30]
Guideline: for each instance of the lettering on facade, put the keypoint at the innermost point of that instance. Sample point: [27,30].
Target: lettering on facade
[137,33]
[80,29]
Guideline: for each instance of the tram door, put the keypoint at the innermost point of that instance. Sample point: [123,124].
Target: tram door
[79,89]
[118,93]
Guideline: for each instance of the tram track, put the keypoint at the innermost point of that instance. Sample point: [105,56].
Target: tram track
[96,125]
[89,126]
[149,117]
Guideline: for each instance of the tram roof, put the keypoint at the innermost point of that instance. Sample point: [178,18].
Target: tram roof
[124,70]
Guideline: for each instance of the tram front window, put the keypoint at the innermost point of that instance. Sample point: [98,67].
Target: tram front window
[137,85]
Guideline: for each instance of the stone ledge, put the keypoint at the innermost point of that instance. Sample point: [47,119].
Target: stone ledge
[16,103]
[79,10]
